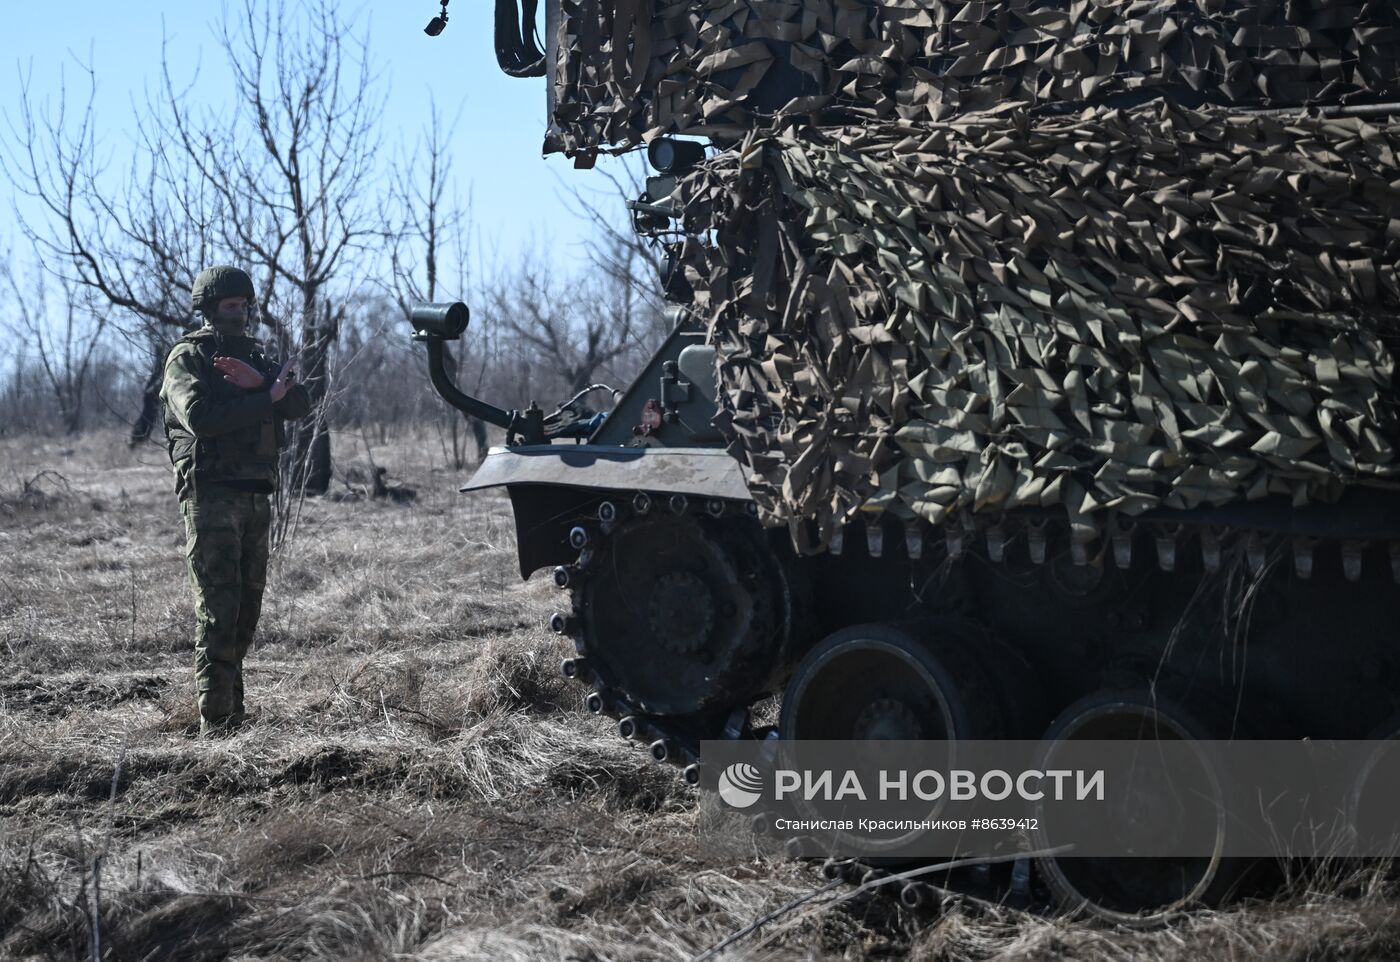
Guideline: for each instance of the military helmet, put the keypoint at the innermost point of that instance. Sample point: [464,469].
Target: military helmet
[215,283]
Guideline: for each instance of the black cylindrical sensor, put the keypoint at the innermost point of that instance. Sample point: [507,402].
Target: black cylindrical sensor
[441,320]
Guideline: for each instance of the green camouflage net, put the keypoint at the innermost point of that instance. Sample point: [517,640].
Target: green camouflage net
[1111,311]
[625,71]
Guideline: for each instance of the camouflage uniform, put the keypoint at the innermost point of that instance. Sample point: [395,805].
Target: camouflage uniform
[223,443]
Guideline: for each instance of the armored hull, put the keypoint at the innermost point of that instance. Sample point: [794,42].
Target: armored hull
[1051,353]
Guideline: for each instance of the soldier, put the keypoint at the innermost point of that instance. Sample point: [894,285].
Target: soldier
[224,407]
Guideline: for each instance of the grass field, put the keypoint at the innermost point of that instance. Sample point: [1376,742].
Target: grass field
[418,782]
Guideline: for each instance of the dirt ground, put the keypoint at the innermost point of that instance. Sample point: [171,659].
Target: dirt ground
[419,782]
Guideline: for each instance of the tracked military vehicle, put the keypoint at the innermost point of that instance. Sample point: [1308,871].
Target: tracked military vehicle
[1032,375]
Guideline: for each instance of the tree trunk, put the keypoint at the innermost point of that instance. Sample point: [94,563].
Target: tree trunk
[477,427]
[311,468]
[479,433]
[150,414]
[318,466]
[311,443]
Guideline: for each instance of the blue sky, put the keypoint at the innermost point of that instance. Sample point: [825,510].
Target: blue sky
[515,194]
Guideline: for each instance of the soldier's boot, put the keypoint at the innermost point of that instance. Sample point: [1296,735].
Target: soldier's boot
[217,715]
[219,727]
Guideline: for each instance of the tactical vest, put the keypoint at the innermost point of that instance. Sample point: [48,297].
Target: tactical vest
[243,455]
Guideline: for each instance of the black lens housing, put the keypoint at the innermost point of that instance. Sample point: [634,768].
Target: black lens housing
[670,156]
[440,320]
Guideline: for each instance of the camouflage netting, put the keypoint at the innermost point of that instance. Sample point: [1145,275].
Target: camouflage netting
[1109,311]
[627,70]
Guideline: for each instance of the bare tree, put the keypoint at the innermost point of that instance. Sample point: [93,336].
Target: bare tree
[135,250]
[65,345]
[297,190]
[435,228]
[619,252]
[284,181]
[580,328]
[281,185]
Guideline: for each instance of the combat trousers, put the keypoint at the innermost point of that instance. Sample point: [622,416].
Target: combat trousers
[226,543]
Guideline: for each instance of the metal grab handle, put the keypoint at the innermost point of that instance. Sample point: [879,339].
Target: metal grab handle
[437,373]
[435,324]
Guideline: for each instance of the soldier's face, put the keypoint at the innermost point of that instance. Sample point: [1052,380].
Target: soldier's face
[232,312]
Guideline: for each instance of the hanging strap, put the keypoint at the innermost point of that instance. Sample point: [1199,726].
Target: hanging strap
[516,50]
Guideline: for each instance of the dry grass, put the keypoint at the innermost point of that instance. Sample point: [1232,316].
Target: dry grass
[419,783]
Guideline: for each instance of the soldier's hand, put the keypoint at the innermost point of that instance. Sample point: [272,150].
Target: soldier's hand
[285,376]
[289,368]
[239,373]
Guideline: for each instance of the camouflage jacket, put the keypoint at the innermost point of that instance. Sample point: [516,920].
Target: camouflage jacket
[217,432]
